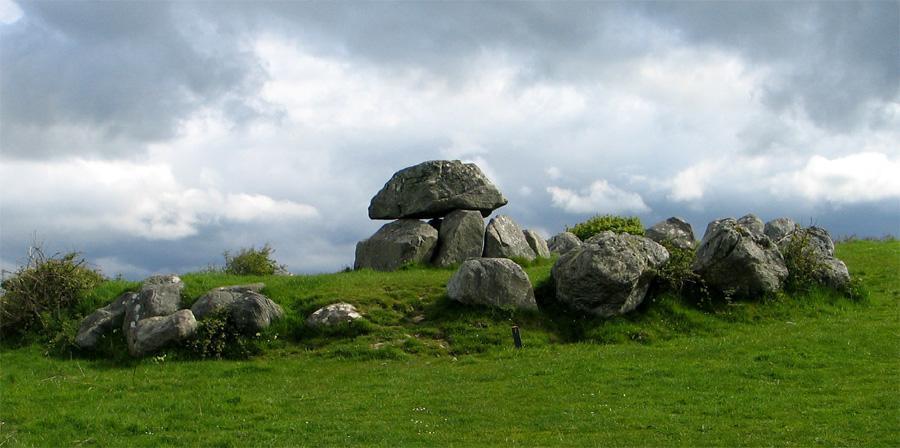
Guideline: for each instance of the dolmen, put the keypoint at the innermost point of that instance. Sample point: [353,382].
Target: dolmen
[454,197]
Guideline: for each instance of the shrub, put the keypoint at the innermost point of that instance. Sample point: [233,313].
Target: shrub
[217,338]
[802,262]
[252,261]
[45,292]
[600,223]
[676,275]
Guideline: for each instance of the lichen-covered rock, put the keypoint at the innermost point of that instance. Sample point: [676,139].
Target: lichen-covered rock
[395,244]
[334,314]
[609,274]
[461,237]
[154,333]
[739,261]
[563,242]
[102,321]
[752,223]
[433,189]
[779,228]
[503,238]
[674,230]
[818,245]
[537,244]
[492,282]
[160,295]
[247,310]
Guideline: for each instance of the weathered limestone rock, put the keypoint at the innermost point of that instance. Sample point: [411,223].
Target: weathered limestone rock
[153,333]
[395,244]
[820,247]
[737,260]
[433,189]
[160,296]
[102,321]
[563,242]
[461,237]
[752,223]
[493,282]
[247,310]
[779,228]
[609,274]
[505,239]
[537,244]
[334,314]
[675,230]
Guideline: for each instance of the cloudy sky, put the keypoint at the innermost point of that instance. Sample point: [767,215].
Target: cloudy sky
[154,136]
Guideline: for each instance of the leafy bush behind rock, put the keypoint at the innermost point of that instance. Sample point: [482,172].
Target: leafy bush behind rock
[46,292]
[252,261]
[600,223]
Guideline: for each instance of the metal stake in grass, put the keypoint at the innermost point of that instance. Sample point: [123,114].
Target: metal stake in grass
[517,340]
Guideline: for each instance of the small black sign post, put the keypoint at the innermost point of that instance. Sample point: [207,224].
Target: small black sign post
[516,338]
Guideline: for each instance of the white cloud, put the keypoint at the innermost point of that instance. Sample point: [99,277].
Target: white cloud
[689,184]
[553,172]
[600,197]
[861,177]
[10,12]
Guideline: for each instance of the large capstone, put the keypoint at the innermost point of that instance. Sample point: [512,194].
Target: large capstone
[816,245]
[396,244]
[461,237]
[675,231]
[562,243]
[332,315]
[609,274]
[160,295]
[435,188]
[154,333]
[779,228]
[738,261]
[103,321]
[492,282]
[503,238]
[537,243]
[245,308]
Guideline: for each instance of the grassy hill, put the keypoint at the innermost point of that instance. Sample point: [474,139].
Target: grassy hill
[818,369]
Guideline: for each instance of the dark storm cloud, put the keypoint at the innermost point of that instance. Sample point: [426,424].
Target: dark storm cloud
[105,77]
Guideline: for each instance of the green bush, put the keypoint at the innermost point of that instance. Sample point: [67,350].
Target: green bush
[217,338]
[44,293]
[252,261]
[676,276]
[600,223]
[802,262]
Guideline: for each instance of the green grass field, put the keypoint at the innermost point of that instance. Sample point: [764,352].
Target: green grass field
[803,371]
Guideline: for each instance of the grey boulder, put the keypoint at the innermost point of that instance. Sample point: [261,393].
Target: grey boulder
[537,244]
[752,223]
[818,245]
[779,228]
[433,189]
[246,309]
[503,238]
[492,282]
[102,321]
[160,295]
[674,230]
[563,242]
[609,274]
[395,244]
[738,261]
[461,237]
[154,333]
[334,314]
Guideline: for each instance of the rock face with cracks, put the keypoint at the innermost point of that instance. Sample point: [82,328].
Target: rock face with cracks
[435,188]
[492,282]
[609,274]
[154,333]
[395,244]
[738,260]
[505,239]
[460,238]
[160,295]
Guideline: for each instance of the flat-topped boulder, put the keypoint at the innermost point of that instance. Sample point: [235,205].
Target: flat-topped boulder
[460,238]
[435,188]
[675,231]
[609,274]
[396,244]
[739,260]
[492,282]
[503,238]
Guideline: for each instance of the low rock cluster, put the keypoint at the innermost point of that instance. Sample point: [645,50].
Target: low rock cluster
[456,197]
